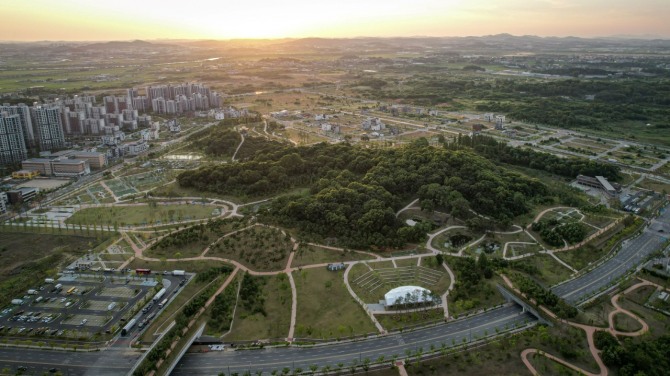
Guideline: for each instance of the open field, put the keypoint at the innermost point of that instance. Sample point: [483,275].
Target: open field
[140,214]
[501,357]
[19,273]
[259,247]
[582,257]
[277,318]
[325,308]
[309,254]
[655,186]
[543,269]
[402,320]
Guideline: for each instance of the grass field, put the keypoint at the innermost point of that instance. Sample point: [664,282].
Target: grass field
[548,367]
[141,214]
[20,272]
[655,186]
[309,254]
[548,271]
[582,257]
[402,320]
[275,323]
[501,357]
[260,248]
[406,262]
[626,323]
[325,308]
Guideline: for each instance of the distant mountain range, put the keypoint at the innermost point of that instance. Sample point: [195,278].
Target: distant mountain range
[498,42]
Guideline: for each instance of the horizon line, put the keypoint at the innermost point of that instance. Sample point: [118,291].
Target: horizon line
[626,37]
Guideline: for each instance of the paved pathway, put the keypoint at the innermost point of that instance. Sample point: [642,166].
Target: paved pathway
[590,331]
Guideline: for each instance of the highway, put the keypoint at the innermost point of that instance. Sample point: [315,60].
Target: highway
[69,363]
[267,360]
[632,253]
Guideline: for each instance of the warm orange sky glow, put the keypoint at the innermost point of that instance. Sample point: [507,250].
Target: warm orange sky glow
[215,19]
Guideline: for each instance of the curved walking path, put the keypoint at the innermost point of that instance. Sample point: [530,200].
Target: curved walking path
[238,148]
[590,331]
[409,206]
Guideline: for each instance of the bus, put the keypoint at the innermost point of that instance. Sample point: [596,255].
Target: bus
[71,290]
[162,304]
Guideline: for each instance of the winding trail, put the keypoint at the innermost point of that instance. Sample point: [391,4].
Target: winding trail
[590,331]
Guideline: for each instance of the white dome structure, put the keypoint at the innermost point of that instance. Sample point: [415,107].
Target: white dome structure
[401,293]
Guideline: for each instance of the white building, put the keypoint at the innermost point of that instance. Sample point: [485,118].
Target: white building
[135,148]
[373,124]
[407,295]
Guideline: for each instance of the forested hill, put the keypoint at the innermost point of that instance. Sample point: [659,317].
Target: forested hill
[356,191]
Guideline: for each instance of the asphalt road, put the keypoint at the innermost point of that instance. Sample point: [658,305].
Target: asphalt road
[267,360]
[68,362]
[632,253]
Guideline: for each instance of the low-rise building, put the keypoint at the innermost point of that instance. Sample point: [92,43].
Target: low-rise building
[70,167]
[95,160]
[25,174]
[598,182]
[135,148]
[373,124]
[42,165]
[20,195]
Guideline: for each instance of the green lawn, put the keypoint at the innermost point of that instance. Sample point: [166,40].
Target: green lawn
[407,262]
[138,215]
[325,308]
[543,268]
[582,257]
[402,320]
[308,254]
[275,323]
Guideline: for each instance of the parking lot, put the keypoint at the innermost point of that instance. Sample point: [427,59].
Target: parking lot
[81,305]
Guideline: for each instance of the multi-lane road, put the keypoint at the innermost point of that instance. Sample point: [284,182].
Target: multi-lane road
[632,253]
[92,363]
[267,360]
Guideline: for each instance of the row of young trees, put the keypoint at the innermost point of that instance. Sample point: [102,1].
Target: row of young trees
[498,151]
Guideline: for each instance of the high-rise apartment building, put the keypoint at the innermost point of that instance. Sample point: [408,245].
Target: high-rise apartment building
[26,122]
[12,144]
[48,127]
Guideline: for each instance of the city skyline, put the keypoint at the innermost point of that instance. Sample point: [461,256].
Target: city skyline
[125,20]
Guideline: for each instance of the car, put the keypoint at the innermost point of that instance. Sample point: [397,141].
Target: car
[21,368]
[53,370]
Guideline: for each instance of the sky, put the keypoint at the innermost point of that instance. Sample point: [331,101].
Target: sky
[30,20]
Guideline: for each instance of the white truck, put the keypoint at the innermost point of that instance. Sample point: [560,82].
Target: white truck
[17,301]
[178,272]
[159,295]
[32,292]
[49,280]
